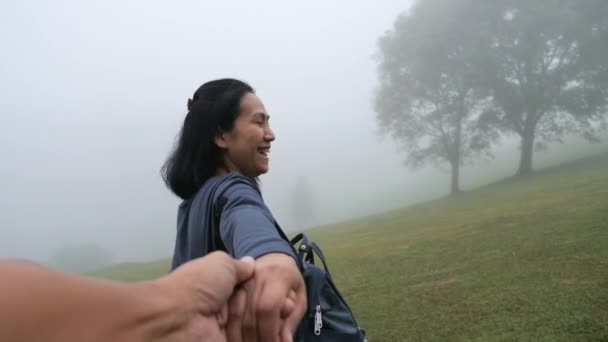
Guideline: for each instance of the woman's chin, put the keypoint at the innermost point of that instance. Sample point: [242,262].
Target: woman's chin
[262,169]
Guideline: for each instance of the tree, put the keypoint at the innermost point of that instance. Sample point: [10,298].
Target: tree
[302,202]
[547,66]
[428,98]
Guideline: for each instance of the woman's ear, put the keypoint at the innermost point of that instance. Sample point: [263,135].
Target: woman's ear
[221,139]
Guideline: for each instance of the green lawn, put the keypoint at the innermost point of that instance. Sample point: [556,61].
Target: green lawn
[520,260]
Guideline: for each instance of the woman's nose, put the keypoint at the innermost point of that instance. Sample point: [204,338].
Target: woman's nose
[269,134]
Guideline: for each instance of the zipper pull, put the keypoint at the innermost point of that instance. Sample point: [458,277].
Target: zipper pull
[318,321]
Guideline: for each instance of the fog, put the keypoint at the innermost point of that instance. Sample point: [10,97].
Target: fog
[93,96]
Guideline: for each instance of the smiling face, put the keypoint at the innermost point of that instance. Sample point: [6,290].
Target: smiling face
[247,145]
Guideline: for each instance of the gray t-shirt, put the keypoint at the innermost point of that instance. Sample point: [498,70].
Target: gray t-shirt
[246,225]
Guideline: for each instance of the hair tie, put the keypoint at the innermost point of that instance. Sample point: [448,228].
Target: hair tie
[190,102]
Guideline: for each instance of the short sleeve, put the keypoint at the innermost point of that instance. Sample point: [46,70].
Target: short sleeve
[247,227]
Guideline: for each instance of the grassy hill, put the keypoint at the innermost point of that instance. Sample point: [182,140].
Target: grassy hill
[523,259]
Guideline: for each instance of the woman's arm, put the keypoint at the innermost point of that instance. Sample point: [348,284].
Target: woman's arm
[276,296]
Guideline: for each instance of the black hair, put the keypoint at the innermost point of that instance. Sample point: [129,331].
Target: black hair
[214,107]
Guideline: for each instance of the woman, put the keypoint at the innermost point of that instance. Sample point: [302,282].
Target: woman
[221,151]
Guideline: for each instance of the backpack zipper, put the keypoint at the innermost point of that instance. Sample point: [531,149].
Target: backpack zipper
[318,321]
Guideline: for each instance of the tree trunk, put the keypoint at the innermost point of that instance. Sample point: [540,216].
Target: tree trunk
[455,157]
[527,146]
[455,188]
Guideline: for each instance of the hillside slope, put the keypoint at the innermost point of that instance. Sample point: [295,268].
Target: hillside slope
[523,259]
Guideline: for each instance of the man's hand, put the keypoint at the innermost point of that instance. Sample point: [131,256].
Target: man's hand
[273,303]
[202,288]
[189,304]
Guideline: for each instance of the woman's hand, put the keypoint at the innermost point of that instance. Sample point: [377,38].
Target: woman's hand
[273,302]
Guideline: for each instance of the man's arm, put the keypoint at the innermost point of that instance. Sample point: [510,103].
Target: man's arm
[38,304]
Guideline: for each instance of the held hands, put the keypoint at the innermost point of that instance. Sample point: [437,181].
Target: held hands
[200,291]
[222,299]
[272,302]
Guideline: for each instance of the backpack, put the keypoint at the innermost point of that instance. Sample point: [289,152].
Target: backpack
[328,316]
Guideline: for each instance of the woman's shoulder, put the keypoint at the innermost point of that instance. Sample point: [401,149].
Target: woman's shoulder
[236,176]
[229,184]
[226,180]
[235,182]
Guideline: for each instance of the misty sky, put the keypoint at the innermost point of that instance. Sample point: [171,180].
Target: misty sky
[92,95]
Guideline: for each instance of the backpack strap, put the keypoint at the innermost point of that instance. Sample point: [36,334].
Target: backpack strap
[217,207]
[215,238]
[303,251]
[307,249]
[317,250]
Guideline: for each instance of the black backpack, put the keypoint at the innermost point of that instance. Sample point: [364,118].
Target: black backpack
[328,318]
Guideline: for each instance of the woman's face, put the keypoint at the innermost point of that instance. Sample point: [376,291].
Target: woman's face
[247,146]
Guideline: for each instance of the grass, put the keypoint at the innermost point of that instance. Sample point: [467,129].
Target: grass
[519,260]
[135,271]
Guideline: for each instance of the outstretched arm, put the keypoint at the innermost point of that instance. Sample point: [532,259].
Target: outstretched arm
[276,296]
[39,304]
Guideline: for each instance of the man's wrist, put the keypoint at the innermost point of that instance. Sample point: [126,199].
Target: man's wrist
[161,314]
